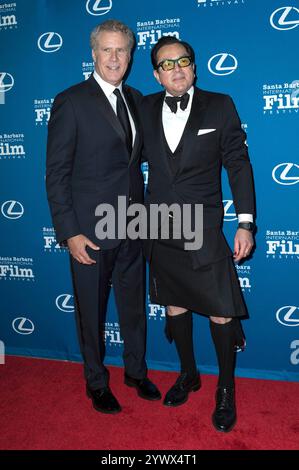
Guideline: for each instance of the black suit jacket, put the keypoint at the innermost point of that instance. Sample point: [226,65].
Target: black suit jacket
[198,178]
[87,159]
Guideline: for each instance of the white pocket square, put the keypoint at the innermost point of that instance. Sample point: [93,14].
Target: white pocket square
[205,131]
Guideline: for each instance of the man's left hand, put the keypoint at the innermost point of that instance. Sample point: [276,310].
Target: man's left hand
[243,244]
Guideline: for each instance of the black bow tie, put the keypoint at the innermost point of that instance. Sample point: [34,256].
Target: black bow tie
[172,102]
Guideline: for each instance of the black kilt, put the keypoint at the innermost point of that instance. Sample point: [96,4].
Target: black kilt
[211,290]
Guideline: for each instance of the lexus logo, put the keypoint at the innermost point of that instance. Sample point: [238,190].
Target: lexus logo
[64,303]
[6,82]
[229,216]
[286,173]
[222,64]
[49,42]
[23,326]
[285,18]
[12,209]
[98,7]
[288,315]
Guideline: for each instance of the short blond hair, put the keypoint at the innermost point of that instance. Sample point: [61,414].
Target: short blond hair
[114,26]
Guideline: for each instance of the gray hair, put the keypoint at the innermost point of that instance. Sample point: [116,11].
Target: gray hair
[114,26]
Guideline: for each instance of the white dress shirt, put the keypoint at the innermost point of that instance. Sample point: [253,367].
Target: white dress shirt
[174,125]
[108,90]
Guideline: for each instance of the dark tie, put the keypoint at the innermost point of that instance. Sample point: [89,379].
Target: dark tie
[123,116]
[173,101]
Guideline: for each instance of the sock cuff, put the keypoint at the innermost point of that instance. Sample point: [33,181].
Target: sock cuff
[183,315]
[221,325]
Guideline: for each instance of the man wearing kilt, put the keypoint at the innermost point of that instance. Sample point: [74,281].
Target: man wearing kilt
[189,134]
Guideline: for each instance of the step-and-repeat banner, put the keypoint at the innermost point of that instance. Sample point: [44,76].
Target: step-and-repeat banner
[246,48]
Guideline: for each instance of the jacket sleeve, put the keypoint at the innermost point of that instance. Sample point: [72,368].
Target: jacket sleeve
[61,144]
[235,159]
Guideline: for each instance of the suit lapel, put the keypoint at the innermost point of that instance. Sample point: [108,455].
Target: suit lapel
[159,131]
[194,122]
[133,111]
[195,119]
[105,107]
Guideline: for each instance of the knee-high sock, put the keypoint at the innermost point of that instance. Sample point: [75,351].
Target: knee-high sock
[180,329]
[223,336]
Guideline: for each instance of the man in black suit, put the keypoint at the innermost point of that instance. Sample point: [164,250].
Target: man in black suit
[93,157]
[189,134]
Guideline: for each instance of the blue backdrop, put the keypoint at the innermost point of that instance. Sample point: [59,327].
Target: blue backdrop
[246,48]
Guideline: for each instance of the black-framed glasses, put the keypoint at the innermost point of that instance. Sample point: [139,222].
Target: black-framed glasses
[169,64]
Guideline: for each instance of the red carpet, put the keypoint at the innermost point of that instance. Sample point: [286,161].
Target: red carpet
[43,406]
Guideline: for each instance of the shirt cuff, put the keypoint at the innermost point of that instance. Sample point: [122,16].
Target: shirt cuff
[245,218]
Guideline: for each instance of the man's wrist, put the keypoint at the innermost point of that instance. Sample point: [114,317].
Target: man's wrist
[245,217]
[250,226]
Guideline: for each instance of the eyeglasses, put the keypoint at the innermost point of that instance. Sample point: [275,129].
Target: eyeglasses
[169,64]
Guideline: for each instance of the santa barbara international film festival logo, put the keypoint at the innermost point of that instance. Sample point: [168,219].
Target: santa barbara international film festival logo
[149,31]
[98,7]
[50,243]
[219,3]
[285,18]
[8,19]
[87,69]
[111,334]
[12,146]
[282,244]
[244,273]
[155,311]
[281,98]
[42,110]
[13,268]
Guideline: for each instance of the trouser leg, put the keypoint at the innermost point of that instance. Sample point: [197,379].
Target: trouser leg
[129,287]
[91,288]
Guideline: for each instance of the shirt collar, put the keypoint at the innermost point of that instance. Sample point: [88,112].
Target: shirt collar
[190,92]
[107,88]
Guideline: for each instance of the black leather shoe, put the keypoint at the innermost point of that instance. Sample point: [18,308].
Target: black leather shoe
[178,393]
[103,400]
[224,417]
[145,388]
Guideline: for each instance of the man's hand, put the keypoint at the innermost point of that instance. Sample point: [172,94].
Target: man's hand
[243,244]
[77,249]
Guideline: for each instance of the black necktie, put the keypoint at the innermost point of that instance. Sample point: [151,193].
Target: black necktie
[123,116]
[173,101]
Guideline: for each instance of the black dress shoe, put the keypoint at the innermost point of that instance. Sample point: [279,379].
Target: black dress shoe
[224,417]
[145,388]
[103,400]
[178,393]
